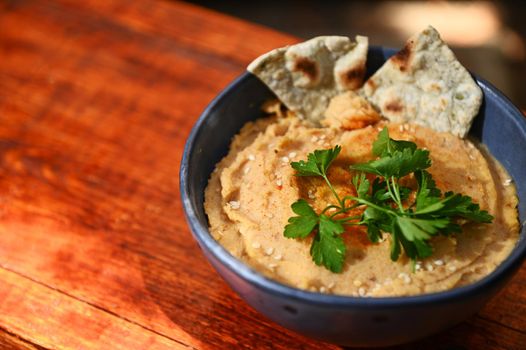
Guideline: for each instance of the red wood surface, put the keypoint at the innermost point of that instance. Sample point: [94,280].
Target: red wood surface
[96,101]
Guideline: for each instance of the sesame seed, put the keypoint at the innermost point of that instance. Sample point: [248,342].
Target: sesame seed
[322,137]
[251,157]
[326,144]
[277,257]
[439,262]
[246,170]
[256,245]
[272,266]
[357,283]
[401,128]
[311,195]
[405,277]
[507,182]
[452,268]
[323,289]
[279,182]
[292,154]
[234,205]
[471,156]
[429,267]
[361,291]
[379,129]
[331,285]
[285,159]
[270,215]
[269,251]
[314,138]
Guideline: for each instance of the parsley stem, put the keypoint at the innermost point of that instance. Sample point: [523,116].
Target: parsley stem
[344,210]
[333,191]
[330,207]
[349,218]
[370,204]
[390,190]
[396,191]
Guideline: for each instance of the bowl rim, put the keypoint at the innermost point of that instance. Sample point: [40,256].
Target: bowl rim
[255,278]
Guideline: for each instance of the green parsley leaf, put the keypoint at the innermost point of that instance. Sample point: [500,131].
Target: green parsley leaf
[379,191]
[455,204]
[328,248]
[420,229]
[302,225]
[385,146]
[380,146]
[427,194]
[317,163]
[375,219]
[361,184]
[399,164]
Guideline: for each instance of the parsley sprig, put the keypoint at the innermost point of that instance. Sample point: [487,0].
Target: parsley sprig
[387,206]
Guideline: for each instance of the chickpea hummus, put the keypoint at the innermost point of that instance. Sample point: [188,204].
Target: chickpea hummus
[249,195]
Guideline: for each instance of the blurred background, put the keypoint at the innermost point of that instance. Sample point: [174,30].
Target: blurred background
[488,37]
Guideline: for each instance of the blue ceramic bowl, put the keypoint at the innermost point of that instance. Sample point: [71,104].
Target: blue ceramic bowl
[341,319]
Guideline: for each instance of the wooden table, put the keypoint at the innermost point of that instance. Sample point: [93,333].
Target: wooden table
[96,101]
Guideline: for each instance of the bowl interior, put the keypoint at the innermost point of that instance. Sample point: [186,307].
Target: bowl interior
[499,125]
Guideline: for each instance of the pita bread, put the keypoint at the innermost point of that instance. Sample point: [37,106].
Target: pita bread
[425,84]
[306,76]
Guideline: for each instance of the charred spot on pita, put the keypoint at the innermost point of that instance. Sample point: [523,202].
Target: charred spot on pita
[307,67]
[352,78]
[394,106]
[371,84]
[402,57]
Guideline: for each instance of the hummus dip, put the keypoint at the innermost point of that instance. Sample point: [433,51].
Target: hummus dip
[250,192]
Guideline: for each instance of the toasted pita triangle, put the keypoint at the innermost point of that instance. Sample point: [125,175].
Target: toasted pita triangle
[425,84]
[306,76]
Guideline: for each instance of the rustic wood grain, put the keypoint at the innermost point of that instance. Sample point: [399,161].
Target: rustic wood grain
[66,322]
[96,101]
[9,341]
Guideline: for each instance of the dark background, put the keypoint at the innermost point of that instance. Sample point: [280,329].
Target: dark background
[488,37]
